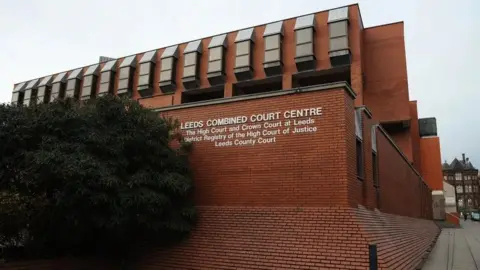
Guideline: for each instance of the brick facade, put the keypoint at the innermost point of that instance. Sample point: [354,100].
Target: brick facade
[296,170]
[298,203]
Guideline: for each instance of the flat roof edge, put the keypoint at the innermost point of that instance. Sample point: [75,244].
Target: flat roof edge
[382,25]
[319,87]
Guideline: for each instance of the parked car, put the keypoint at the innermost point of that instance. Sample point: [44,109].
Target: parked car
[475,216]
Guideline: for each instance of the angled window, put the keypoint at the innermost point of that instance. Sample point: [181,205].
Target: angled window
[358,123]
[107,77]
[359,154]
[44,90]
[31,91]
[216,59]
[374,138]
[125,78]
[273,37]
[375,169]
[339,51]
[168,69]
[18,93]
[73,84]
[244,43]
[145,76]
[304,42]
[58,86]
[89,87]
[191,65]
[359,143]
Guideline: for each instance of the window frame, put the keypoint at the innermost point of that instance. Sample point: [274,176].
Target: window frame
[360,160]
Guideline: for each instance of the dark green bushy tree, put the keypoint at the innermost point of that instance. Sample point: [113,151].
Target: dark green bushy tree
[95,177]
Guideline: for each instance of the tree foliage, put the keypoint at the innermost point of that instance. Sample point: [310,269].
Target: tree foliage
[101,176]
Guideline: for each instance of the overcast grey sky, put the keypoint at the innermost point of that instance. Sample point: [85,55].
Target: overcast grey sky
[442,38]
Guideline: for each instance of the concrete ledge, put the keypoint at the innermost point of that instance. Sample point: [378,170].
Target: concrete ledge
[366,110]
[320,87]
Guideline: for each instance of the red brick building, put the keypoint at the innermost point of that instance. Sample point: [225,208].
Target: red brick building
[307,148]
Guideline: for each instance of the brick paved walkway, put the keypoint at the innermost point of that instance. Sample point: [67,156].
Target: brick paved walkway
[456,249]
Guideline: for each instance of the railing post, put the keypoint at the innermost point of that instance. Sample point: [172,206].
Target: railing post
[372,254]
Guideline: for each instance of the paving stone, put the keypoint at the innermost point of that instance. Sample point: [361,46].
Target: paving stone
[456,249]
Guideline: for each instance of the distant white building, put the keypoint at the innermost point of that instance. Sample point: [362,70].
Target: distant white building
[450,201]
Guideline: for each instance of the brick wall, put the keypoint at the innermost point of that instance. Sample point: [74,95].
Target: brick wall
[386,82]
[268,238]
[431,162]
[282,238]
[402,242]
[415,135]
[295,203]
[402,190]
[298,169]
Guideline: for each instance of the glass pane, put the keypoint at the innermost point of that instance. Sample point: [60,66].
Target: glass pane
[105,77]
[86,91]
[71,84]
[40,99]
[189,71]
[166,76]
[14,96]
[56,88]
[340,43]
[145,68]
[104,87]
[272,42]
[144,79]
[304,35]
[167,63]
[41,91]
[215,54]
[304,50]
[28,93]
[242,61]
[190,59]
[243,47]
[215,66]
[87,81]
[271,56]
[124,73]
[338,29]
[55,95]
[123,84]
[70,93]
